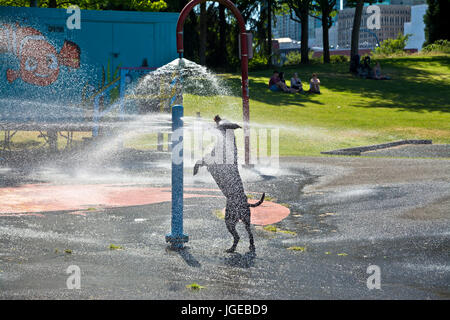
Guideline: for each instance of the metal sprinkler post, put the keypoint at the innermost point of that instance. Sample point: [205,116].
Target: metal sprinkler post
[177,237]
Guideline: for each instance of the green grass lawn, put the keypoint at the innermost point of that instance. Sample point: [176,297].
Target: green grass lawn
[350,111]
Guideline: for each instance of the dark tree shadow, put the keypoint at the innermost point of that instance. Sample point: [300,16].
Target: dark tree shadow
[410,89]
[264,177]
[259,91]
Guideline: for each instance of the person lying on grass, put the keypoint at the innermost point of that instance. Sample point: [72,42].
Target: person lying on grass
[275,84]
[314,84]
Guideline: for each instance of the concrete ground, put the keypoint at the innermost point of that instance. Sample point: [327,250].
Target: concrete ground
[347,213]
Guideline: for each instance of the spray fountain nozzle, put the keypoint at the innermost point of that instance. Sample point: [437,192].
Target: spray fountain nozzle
[181,62]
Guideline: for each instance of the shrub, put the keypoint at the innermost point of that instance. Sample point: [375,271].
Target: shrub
[258,62]
[393,46]
[438,47]
[293,58]
[339,59]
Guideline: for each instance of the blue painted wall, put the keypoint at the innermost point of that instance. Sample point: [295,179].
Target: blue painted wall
[106,40]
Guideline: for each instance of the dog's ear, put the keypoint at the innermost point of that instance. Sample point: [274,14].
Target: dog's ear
[198,164]
[196,167]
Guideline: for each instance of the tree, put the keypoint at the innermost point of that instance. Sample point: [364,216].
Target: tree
[325,11]
[203,29]
[359,5]
[126,5]
[222,35]
[16,3]
[437,26]
[269,32]
[301,8]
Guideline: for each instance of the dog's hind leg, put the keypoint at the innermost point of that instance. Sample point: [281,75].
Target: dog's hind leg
[231,226]
[230,222]
[246,222]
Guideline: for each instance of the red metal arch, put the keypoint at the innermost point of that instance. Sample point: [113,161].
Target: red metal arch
[244,59]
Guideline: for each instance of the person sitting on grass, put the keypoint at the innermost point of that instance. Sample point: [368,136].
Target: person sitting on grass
[296,83]
[275,84]
[377,73]
[282,79]
[365,70]
[314,84]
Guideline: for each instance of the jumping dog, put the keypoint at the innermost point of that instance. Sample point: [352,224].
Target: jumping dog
[226,174]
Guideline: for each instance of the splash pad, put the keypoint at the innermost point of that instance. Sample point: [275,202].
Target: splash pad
[75,196]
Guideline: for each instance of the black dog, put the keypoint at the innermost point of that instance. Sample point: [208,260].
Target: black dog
[226,174]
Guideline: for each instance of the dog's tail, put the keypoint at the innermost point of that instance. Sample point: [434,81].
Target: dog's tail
[252,205]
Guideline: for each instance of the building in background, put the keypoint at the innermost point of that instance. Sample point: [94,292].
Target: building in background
[393,18]
[408,2]
[332,34]
[416,28]
[281,47]
[332,31]
[284,27]
[397,16]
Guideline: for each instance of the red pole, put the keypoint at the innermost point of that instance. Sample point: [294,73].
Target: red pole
[244,60]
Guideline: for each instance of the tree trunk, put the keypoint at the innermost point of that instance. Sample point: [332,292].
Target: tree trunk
[202,49]
[304,42]
[52,3]
[356,26]
[269,33]
[222,35]
[325,37]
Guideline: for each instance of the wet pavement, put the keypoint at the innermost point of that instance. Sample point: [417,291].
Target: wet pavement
[346,214]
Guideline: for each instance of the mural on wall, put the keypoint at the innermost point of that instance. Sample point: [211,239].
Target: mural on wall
[53,74]
[38,59]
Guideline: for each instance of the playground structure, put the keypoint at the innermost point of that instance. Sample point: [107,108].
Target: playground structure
[93,85]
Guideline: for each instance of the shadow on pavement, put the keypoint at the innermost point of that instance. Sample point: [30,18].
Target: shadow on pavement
[241,261]
[188,258]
